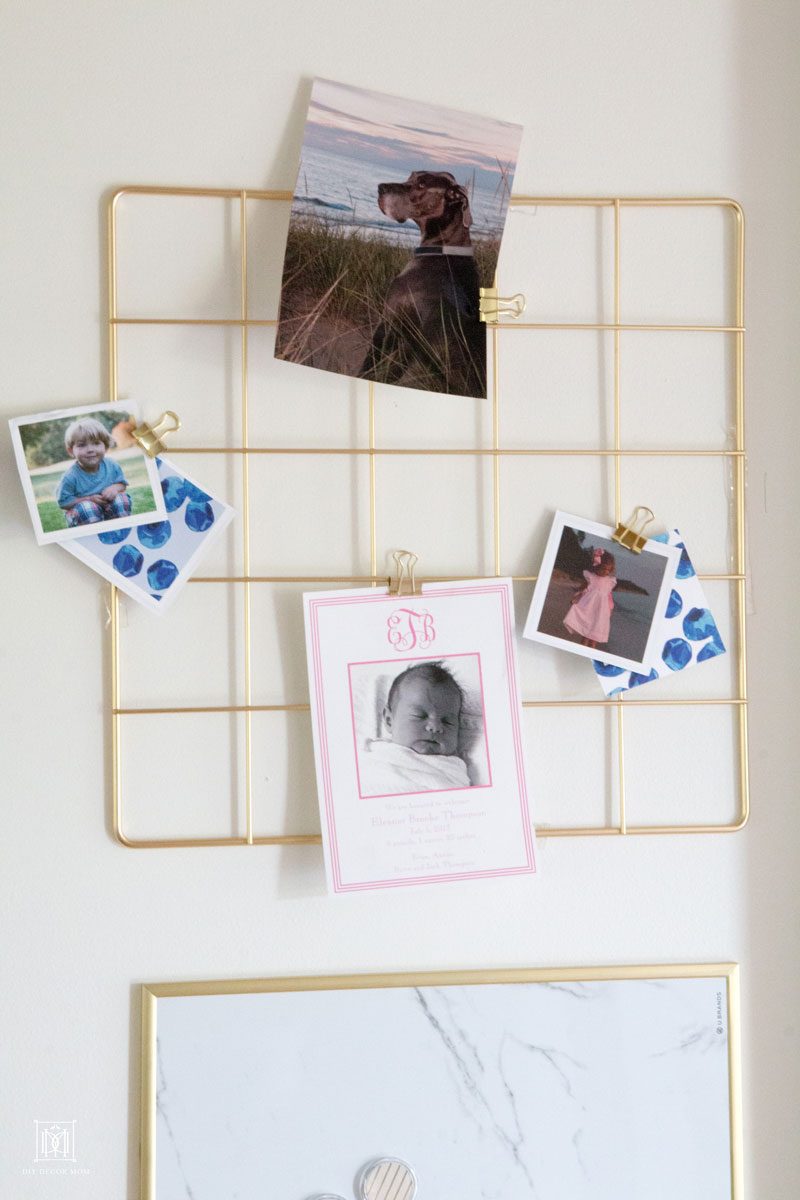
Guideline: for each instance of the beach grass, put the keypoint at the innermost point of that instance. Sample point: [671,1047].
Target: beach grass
[324,257]
[335,281]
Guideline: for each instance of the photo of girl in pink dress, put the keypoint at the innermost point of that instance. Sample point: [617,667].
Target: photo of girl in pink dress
[597,598]
[589,615]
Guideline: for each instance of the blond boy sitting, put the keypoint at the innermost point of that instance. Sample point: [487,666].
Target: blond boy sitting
[94,487]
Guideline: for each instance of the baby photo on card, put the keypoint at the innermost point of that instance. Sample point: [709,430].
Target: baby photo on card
[419,725]
[80,469]
[596,598]
[151,563]
[416,718]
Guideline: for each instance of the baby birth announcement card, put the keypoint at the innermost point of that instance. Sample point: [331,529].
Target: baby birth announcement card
[416,717]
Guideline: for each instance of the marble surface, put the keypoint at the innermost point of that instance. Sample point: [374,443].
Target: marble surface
[558,1091]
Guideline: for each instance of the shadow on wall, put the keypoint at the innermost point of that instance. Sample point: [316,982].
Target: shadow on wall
[767,90]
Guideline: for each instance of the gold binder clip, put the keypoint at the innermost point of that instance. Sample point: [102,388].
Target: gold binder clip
[151,437]
[405,562]
[492,307]
[632,535]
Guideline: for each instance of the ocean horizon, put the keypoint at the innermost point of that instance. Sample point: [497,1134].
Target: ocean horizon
[344,191]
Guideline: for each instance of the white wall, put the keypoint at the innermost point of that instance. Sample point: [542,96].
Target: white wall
[617,97]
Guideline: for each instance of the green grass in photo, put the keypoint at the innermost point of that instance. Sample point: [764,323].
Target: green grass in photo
[52,517]
[335,282]
[45,486]
[350,273]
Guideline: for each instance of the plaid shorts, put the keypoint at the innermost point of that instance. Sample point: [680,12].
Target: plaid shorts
[88,512]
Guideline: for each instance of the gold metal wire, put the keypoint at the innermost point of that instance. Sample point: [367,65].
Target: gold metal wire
[373,502]
[478,452]
[623,823]
[618,454]
[248,676]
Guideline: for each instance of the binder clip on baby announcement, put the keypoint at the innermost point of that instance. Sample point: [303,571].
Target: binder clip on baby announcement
[404,583]
[632,535]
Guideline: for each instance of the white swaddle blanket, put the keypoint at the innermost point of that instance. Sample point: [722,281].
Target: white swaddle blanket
[370,692]
[386,768]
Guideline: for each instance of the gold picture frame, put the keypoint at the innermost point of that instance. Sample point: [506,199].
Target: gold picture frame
[153,1085]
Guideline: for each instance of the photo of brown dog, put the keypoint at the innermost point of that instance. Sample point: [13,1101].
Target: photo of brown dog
[396,224]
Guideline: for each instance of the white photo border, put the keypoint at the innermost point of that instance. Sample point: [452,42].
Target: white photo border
[141,595]
[125,408]
[562,520]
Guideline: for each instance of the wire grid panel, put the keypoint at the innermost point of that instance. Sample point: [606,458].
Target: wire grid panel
[594,406]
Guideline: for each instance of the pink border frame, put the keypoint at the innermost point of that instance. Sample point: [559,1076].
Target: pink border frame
[328,813]
[421,658]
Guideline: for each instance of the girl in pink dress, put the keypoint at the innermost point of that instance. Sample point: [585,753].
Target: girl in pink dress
[589,615]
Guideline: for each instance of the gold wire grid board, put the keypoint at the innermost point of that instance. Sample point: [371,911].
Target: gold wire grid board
[633,448]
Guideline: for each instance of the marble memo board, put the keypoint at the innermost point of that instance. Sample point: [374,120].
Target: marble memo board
[563,1088]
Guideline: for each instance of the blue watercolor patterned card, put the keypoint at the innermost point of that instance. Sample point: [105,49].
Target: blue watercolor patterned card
[153,562]
[687,632]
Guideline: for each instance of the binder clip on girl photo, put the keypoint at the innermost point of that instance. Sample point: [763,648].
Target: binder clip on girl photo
[632,535]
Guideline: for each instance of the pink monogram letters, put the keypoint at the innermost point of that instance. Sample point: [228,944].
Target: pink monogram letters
[408,628]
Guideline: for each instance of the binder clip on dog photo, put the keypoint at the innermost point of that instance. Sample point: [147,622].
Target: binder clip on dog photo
[494,308]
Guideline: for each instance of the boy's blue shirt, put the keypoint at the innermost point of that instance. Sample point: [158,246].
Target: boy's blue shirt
[75,482]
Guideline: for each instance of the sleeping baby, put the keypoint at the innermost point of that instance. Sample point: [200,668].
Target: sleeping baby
[422,716]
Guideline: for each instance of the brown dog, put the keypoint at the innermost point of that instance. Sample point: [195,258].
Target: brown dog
[429,327]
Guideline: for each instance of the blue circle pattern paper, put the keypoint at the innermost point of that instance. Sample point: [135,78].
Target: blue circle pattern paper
[675,603]
[690,633]
[152,562]
[637,678]
[677,653]
[113,536]
[155,535]
[199,517]
[162,574]
[173,488]
[127,560]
